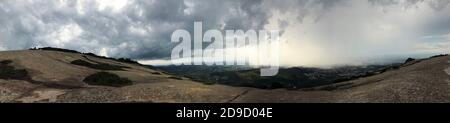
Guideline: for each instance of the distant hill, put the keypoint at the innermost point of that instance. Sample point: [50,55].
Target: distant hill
[290,78]
[66,76]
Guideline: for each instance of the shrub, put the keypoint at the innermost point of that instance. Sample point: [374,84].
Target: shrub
[409,60]
[175,77]
[98,66]
[156,73]
[127,60]
[55,49]
[107,79]
[207,82]
[9,72]
[123,60]
[5,62]
[440,55]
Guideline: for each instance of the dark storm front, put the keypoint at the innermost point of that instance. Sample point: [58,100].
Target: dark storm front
[260,49]
[205,114]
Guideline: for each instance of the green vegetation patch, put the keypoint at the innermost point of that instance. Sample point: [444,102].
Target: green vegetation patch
[98,66]
[107,79]
[175,77]
[55,49]
[9,72]
[123,60]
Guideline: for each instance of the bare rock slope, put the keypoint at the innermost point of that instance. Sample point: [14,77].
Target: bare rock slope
[51,77]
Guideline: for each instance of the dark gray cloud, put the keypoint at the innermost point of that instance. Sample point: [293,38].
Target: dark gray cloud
[141,29]
[121,28]
[435,4]
[131,28]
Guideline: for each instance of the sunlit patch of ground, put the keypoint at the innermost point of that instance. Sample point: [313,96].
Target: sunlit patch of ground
[47,95]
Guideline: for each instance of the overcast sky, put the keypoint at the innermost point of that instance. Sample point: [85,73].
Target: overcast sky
[315,32]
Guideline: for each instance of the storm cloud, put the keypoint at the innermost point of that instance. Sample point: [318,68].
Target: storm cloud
[118,28]
[315,32]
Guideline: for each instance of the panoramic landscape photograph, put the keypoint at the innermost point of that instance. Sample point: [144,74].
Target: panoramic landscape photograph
[224,51]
